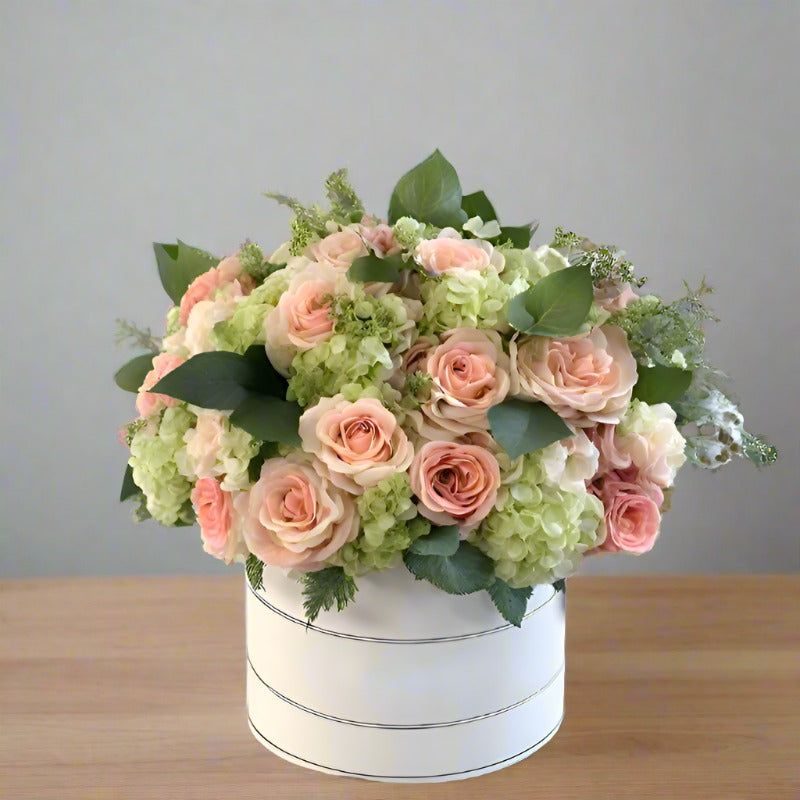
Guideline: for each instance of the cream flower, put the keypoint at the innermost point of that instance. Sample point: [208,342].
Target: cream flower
[203,445]
[293,517]
[358,444]
[339,250]
[449,251]
[571,463]
[585,379]
[469,373]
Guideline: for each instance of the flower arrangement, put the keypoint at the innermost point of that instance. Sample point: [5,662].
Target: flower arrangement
[431,390]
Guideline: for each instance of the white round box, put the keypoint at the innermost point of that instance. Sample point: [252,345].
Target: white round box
[407,684]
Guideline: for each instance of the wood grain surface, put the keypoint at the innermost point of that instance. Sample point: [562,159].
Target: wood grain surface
[134,688]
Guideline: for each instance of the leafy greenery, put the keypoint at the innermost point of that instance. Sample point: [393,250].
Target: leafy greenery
[373,268]
[466,571]
[518,235]
[267,450]
[478,204]
[345,203]
[131,375]
[560,585]
[430,192]
[269,419]
[606,263]
[660,384]
[179,264]
[759,450]
[441,541]
[254,568]
[324,589]
[129,487]
[129,333]
[511,603]
[521,427]
[556,306]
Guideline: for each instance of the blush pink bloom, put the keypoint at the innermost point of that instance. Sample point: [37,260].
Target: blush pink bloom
[214,510]
[613,298]
[585,379]
[456,484]
[469,373]
[147,402]
[449,252]
[632,512]
[358,444]
[605,440]
[339,250]
[380,239]
[201,288]
[293,517]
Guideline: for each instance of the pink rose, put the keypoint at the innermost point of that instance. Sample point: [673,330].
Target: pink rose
[201,288]
[614,297]
[380,239]
[605,440]
[585,379]
[358,444]
[632,512]
[448,252]
[293,517]
[456,484]
[302,317]
[469,372]
[147,402]
[340,249]
[214,511]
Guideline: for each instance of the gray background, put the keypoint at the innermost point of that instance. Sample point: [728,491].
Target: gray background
[669,128]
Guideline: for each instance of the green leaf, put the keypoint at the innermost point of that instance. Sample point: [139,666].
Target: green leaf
[129,488]
[560,302]
[660,384]
[467,570]
[478,204]
[268,419]
[519,235]
[267,450]
[517,313]
[367,269]
[430,192]
[179,264]
[560,585]
[130,376]
[521,427]
[441,541]
[223,380]
[511,603]
[254,568]
[324,589]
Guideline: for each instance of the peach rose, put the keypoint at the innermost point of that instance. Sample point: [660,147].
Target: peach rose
[147,402]
[585,379]
[456,484]
[632,512]
[611,457]
[339,250]
[214,511]
[380,239]
[302,317]
[449,251]
[293,517]
[358,444]
[469,372]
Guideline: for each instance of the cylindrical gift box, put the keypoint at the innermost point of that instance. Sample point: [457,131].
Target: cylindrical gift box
[406,684]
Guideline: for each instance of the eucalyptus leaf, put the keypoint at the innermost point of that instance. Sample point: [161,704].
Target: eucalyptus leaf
[478,204]
[517,313]
[430,192]
[660,384]
[371,268]
[441,541]
[130,376]
[179,264]
[468,570]
[521,427]
[560,302]
[268,419]
[129,488]
[511,603]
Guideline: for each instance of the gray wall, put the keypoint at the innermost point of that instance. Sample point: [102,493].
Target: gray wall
[669,128]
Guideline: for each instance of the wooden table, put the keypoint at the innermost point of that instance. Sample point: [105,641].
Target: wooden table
[134,688]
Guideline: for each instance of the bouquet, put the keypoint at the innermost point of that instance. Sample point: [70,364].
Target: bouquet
[431,390]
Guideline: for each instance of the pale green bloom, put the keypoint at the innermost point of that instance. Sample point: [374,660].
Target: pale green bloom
[480,229]
[389,523]
[408,232]
[173,320]
[237,448]
[537,533]
[154,450]
[526,267]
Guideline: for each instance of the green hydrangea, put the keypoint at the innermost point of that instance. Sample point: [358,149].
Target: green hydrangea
[246,326]
[173,320]
[464,299]
[155,471]
[389,523]
[237,449]
[408,232]
[537,532]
